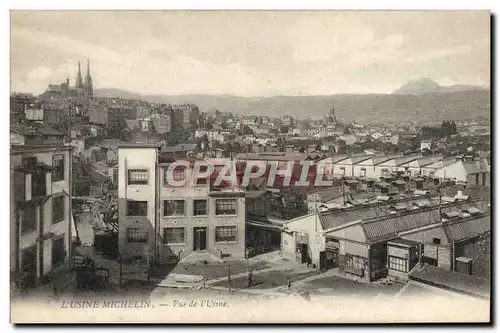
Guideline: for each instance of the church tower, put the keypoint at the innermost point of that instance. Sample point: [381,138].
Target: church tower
[332,117]
[79,81]
[88,88]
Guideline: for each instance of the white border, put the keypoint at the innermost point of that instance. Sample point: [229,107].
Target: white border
[189,4]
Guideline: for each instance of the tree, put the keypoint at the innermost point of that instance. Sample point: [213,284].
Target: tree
[448,128]
[174,138]
[294,203]
[236,147]
[246,130]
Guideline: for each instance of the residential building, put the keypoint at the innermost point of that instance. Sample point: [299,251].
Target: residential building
[54,114]
[249,121]
[98,114]
[425,144]
[287,121]
[169,222]
[18,106]
[195,217]
[137,200]
[34,113]
[40,212]
[162,123]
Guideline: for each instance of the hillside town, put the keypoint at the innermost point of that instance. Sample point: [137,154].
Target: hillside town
[92,209]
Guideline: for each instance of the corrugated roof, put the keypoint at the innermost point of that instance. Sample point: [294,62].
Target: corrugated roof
[405,159]
[391,226]
[470,228]
[340,217]
[358,159]
[338,158]
[271,157]
[458,282]
[328,194]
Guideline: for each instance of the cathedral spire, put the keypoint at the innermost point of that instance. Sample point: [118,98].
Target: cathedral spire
[88,88]
[88,69]
[79,81]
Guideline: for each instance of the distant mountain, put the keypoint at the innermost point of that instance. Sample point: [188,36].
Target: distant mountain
[428,86]
[370,108]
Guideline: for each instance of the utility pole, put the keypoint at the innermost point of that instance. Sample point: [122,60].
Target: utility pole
[440,199]
[121,271]
[482,198]
[316,214]
[343,190]
[229,275]
[453,256]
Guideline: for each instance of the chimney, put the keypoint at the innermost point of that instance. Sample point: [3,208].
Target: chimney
[459,193]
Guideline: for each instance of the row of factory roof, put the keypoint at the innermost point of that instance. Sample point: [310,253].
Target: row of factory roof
[339,216]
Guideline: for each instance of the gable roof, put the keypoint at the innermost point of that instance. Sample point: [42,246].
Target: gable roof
[49,131]
[338,158]
[381,159]
[359,159]
[405,159]
[461,230]
[132,123]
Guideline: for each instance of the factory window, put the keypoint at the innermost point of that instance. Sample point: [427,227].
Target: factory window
[137,235]
[397,264]
[174,235]
[174,207]
[58,251]
[57,209]
[137,208]
[363,172]
[225,234]
[225,207]
[138,177]
[29,219]
[57,168]
[200,207]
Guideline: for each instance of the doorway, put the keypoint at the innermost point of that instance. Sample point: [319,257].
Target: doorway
[302,253]
[200,238]
[328,259]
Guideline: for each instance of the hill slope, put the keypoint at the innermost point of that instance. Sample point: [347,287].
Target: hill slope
[426,86]
[362,108]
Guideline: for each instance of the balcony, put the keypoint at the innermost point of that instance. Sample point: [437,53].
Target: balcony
[38,185]
[31,180]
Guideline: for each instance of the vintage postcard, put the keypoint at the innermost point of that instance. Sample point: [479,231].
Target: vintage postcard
[250,166]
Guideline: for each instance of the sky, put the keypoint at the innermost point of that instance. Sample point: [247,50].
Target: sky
[250,53]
